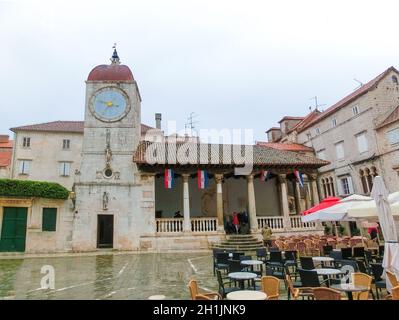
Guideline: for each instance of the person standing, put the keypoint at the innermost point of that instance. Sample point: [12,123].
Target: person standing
[267,235]
[235,221]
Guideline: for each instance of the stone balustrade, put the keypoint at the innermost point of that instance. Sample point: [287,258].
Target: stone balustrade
[175,225]
[297,224]
[276,223]
[169,225]
[204,224]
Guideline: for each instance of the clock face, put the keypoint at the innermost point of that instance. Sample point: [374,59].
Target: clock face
[109,105]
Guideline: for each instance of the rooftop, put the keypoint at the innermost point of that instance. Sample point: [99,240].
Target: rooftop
[63,126]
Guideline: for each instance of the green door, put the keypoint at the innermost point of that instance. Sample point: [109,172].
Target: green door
[13,230]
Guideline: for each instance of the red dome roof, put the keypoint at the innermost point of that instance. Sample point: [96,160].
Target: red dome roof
[112,72]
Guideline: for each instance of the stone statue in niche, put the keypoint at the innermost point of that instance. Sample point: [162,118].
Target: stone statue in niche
[207,200]
[291,204]
[117,175]
[105,200]
[108,152]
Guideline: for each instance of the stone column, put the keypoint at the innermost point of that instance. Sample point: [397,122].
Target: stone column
[307,194]
[313,186]
[282,178]
[298,198]
[186,204]
[219,201]
[315,196]
[253,221]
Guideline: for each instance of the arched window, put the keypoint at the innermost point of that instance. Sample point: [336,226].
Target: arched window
[395,80]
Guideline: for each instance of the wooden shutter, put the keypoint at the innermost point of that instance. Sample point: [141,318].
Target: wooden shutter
[49,220]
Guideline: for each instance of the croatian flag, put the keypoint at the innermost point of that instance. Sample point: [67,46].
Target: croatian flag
[299,177]
[202,179]
[169,179]
[264,175]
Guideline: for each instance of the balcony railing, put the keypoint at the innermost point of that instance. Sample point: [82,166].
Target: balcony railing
[274,222]
[297,224]
[204,224]
[175,225]
[169,225]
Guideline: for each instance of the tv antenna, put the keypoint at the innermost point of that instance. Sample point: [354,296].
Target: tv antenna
[360,84]
[317,105]
[190,124]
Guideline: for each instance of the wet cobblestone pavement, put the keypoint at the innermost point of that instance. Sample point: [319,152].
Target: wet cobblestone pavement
[111,276]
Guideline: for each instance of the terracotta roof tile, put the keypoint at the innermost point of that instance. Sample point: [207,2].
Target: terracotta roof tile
[290,118]
[5,158]
[285,146]
[7,144]
[218,154]
[63,126]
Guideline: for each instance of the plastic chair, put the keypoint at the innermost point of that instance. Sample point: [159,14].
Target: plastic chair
[307,263]
[225,284]
[379,283]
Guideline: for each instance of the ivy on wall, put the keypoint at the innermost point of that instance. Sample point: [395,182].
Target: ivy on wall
[27,188]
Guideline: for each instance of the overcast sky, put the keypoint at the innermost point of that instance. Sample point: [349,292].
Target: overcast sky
[235,64]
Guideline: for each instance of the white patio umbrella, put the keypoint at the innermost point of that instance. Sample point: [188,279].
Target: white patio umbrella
[338,212]
[387,223]
[368,210]
[388,227]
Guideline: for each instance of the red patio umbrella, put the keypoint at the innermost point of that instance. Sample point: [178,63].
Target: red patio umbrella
[327,202]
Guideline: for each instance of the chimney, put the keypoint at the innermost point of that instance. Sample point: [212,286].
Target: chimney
[158,118]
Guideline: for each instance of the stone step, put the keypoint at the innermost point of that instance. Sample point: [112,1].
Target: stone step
[242,240]
[239,236]
[243,243]
[247,249]
[237,247]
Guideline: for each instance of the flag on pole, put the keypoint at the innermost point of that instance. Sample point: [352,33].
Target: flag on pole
[202,177]
[264,175]
[169,179]
[299,177]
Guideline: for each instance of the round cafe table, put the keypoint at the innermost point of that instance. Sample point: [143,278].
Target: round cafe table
[246,295]
[252,263]
[349,288]
[241,277]
[327,271]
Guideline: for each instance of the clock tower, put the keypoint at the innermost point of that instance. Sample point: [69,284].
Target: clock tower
[106,186]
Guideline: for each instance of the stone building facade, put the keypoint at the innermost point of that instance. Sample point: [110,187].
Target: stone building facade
[116,175]
[358,135]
